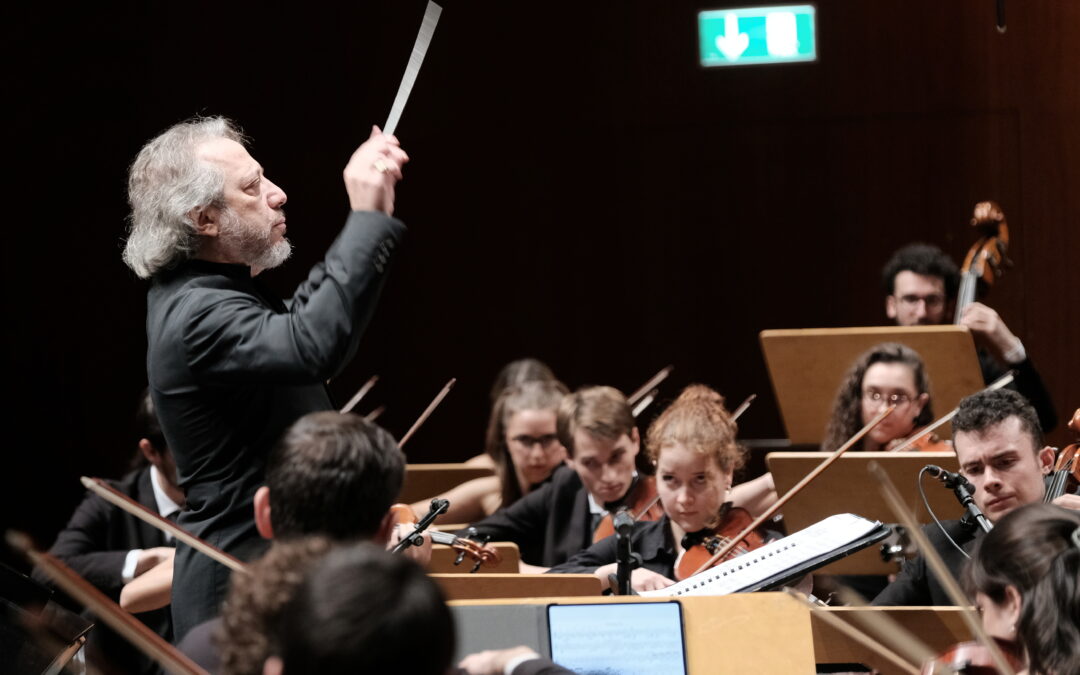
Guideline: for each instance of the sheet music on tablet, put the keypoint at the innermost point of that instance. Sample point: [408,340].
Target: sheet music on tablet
[783,560]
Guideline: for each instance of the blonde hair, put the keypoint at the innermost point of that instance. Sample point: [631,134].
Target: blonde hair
[698,420]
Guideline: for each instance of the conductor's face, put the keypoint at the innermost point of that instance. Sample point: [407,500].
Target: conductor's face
[251,228]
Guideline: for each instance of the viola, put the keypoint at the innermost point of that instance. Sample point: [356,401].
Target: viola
[973,658]
[643,501]
[479,553]
[734,521]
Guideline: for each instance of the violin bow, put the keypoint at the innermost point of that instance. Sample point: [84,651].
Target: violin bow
[650,385]
[121,500]
[644,403]
[886,627]
[855,633]
[742,407]
[374,414]
[135,631]
[427,412]
[360,394]
[937,566]
[1002,381]
[769,512]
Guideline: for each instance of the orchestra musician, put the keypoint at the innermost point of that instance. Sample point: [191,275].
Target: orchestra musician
[693,446]
[1025,577]
[334,475]
[114,550]
[921,284]
[887,374]
[522,440]
[999,445]
[518,371]
[230,365]
[555,521]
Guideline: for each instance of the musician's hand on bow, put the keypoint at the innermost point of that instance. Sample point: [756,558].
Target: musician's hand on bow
[420,554]
[372,171]
[988,326]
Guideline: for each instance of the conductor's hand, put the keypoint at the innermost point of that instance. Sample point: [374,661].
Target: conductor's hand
[372,172]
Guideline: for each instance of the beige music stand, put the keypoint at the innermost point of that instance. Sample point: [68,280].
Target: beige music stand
[485,586]
[846,487]
[442,560]
[740,633]
[424,481]
[937,627]
[807,367]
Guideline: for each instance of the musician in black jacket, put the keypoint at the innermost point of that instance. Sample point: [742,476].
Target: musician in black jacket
[108,547]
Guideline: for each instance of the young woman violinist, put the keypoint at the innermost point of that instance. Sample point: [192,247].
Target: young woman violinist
[525,448]
[693,446]
[1025,576]
[888,373]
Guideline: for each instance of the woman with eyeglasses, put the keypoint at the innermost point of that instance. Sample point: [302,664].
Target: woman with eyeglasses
[887,374]
[524,446]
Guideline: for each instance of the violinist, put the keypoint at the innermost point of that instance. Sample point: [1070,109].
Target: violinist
[921,283]
[555,521]
[888,373]
[693,445]
[516,372]
[525,449]
[334,475]
[115,551]
[998,443]
[1025,577]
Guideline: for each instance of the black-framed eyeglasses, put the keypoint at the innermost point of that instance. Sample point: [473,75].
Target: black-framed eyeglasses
[526,441]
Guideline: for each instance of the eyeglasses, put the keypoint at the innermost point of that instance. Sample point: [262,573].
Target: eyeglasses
[932,301]
[545,441]
[875,396]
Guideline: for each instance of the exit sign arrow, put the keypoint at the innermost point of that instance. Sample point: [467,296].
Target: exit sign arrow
[732,43]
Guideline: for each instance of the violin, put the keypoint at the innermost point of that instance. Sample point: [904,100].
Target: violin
[921,442]
[479,553]
[700,547]
[1066,474]
[643,501]
[986,259]
[973,658]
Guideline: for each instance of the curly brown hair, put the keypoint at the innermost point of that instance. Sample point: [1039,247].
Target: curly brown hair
[846,418]
[255,602]
[698,420]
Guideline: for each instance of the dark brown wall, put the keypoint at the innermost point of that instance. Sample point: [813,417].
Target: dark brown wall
[581,191]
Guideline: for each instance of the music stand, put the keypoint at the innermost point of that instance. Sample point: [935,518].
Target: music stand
[806,367]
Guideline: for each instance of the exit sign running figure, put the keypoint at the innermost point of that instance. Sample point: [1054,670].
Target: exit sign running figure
[757,35]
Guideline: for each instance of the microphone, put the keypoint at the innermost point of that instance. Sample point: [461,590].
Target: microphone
[948,478]
[963,489]
[623,521]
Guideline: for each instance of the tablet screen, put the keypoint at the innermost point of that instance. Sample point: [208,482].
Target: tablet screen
[618,639]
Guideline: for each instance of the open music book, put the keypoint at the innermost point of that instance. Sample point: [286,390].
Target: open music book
[783,560]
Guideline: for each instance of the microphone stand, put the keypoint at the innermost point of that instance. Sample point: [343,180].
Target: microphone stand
[964,491]
[416,537]
[625,559]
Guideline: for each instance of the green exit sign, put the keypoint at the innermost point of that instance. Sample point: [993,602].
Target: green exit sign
[756,35]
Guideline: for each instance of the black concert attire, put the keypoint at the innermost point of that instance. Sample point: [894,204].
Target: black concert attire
[231,367]
[916,584]
[96,544]
[652,540]
[1027,382]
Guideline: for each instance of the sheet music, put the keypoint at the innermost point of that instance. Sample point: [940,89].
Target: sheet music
[620,639]
[416,59]
[772,559]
